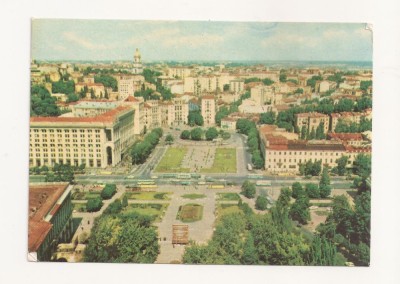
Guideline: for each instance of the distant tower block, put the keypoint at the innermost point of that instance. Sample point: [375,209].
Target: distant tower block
[137,63]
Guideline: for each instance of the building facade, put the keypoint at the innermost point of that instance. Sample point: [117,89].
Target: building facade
[97,141]
[312,120]
[208,110]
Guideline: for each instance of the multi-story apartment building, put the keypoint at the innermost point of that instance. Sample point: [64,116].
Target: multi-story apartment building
[283,154]
[165,113]
[236,86]
[97,141]
[128,85]
[208,110]
[262,95]
[179,72]
[312,120]
[349,117]
[50,222]
[138,105]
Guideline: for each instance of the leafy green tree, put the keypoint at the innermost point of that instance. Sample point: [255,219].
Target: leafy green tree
[94,204]
[325,179]
[297,189]
[267,117]
[362,165]
[284,197]
[63,87]
[312,134]
[299,210]
[341,165]
[114,208]
[303,134]
[211,133]
[311,82]
[226,87]
[195,118]
[322,252]
[268,81]
[261,203]
[364,85]
[337,77]
[42,103]
[120,239]
[249,251]
[257,159]
[169,139]
[364,103]
[185,134]
[221,113]
[107,80]
[72,98]
[124,201]
[282,77]
[344,105]
[196,134]
[108,191]
[92,94]
[312,190]
[319,134]
[248,189]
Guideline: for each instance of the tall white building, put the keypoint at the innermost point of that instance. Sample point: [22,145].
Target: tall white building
[137,63]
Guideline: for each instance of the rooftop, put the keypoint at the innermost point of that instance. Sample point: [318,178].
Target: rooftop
[94,104]
[42,199]
[107,117]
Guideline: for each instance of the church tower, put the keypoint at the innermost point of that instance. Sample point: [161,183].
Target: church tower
[137,63]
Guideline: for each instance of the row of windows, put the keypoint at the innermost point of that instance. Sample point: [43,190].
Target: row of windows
[305,153]
[67,140]
[60,150]
[295,160]
[66,161]
[45,130]
[60,146]
[83,155]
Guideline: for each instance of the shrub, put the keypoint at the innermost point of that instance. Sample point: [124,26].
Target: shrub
[261,203]
[94,204]
[108,191]
[312,190]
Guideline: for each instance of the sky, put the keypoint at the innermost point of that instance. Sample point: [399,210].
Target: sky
[203,41]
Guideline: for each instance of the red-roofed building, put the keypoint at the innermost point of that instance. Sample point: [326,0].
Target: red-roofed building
[50,211]
[283,152]
[96,141]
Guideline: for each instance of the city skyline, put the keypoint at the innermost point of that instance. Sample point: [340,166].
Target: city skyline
[95,40]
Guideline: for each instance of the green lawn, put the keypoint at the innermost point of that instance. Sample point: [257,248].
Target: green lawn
[79,207]
[229,196]
[190,213]
[171,161]
[193,196]
[154,210]
[224,161]
[225,209]
[148,195]
[85,195]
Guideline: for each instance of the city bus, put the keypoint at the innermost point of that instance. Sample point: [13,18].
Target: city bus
[255,176]
[145,182]
[184,176]
[263,183]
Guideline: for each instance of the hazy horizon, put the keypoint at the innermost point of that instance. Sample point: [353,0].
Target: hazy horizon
[116,40]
